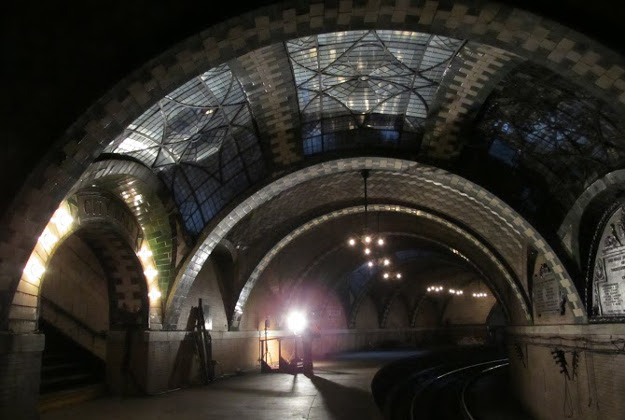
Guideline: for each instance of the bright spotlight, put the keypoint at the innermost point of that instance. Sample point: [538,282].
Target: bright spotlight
[296,322]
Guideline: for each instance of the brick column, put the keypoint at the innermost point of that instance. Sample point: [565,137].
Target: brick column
[20,374]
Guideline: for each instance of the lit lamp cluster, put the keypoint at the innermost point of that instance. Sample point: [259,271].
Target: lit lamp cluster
[145,256]
[457,292]
[371,244]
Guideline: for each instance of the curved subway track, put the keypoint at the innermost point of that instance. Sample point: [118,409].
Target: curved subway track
[444,384]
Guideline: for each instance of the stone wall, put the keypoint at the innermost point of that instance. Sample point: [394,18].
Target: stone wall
[592,385]
[166,360]
[467,309]
[20,366]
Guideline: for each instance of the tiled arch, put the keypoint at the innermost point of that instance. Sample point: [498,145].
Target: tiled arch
[566,51]
[113,233]
[149,200]
[569,229]
[452,184]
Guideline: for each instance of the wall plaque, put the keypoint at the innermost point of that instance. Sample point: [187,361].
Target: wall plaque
[608,286]
[547,296]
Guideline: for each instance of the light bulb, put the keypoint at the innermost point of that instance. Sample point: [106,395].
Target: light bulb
[386,261]
[367,251]
[380,241]
[398,275]
[368,239]
[385,275]
[370,263]
[352,242]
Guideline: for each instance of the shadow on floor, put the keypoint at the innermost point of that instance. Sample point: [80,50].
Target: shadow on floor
[343,402]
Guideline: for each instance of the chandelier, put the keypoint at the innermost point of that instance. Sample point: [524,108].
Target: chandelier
[371,244]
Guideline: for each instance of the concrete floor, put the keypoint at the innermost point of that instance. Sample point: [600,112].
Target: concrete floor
[340,389]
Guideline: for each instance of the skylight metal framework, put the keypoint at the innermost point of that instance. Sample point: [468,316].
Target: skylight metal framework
[362,88]
[201,140]
[537,121]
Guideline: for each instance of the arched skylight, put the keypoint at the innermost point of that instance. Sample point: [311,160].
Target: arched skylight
[201,139]
[539,125]
[368,80]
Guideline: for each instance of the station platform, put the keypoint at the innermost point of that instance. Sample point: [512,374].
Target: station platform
[339,390]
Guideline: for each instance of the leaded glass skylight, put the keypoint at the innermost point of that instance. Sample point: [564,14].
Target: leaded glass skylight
[379,84]
[201,140]
[552,137]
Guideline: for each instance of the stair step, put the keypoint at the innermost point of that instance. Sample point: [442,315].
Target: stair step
[68,365]
[68,397]
[57,383]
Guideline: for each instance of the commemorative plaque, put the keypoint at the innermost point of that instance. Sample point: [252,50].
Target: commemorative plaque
[546,290]
[609,271]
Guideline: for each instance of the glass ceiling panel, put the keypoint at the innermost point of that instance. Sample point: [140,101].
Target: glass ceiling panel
[201,140]
[538,124]
[347,80]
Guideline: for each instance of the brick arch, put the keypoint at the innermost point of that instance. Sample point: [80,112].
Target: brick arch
[503,217]
[548,43]
[569,231]
[104,220]
[493,258]
[128,291]
[351,310]
[156,213]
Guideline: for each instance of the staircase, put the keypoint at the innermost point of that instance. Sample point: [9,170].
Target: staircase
[69,373]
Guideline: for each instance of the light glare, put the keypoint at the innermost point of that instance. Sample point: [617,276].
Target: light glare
[296,322]
[62,219]
[144,253]
[154,294]
[150,273]
[48,239]
[34,269]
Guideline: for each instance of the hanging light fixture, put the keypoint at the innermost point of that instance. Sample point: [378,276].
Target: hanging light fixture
[371,244]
